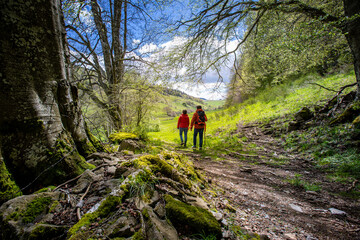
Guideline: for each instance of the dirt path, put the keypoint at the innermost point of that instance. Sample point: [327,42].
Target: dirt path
[258,187]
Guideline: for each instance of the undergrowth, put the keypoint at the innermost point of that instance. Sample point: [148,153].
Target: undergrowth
[330,148]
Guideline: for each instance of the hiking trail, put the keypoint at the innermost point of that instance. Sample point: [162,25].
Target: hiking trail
[253,191]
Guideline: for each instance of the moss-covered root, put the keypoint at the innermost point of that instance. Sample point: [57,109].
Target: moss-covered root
[156,164]
[348,115]
[197,219]
[8,188]
[95,142]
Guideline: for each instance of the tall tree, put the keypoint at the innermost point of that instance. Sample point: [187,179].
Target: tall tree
[42,130]
[284,46]
[224,19]
[105,39]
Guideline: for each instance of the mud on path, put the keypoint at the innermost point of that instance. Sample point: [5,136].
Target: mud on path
[257,187]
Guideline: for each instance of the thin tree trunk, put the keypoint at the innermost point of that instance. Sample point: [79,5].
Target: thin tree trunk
[352,34]
[40,119]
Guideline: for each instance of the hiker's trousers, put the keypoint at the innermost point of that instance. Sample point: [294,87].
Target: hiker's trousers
[183,130]
[201,134]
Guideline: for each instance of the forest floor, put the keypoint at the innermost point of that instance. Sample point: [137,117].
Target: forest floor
[266,191]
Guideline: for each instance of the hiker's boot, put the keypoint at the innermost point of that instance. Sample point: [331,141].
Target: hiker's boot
[185,144]
[200,148]
[182,143]
[193,147]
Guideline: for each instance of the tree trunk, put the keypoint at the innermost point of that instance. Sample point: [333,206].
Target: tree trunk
[352,33]
[41,127]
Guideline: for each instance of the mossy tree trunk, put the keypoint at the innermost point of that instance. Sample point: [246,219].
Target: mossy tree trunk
[40,122]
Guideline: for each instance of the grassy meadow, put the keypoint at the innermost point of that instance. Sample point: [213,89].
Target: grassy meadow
[274,103]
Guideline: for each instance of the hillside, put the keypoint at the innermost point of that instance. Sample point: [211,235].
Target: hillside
[156,107]
[170,103]
[287,175]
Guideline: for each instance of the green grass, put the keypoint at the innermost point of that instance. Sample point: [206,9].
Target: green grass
[330,148]
[276,102]
[297,181]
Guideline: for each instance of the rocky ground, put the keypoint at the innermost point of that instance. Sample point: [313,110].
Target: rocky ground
[126,196]
[263,200]
[252,192]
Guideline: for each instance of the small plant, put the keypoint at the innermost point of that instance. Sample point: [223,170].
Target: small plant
[203,236]
[142,185]
[296,181]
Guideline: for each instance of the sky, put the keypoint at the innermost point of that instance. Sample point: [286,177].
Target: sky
[209,86]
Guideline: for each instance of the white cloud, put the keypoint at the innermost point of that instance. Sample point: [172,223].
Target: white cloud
[213,87]
[136,41]
[148,48]
[209,91]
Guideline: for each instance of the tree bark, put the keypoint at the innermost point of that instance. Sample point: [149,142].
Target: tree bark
[41,127]
[352,34]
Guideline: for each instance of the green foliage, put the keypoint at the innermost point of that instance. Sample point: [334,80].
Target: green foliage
[142,185]
[284,48]
[204,236]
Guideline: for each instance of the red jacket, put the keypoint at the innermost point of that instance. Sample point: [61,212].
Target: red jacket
[183,121]
[194,118]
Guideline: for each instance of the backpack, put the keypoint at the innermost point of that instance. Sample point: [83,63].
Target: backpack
[201,117]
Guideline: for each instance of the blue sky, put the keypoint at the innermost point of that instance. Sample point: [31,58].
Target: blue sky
[154,48]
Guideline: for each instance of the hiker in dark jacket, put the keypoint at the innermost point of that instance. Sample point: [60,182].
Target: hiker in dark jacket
[198,120]
[183,126]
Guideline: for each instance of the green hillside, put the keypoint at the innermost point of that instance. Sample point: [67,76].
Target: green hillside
[170,103]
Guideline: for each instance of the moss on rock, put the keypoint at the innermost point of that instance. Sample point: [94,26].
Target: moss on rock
[45,189]
[35,208]
[8,188]
[158,165]
[120,136]
[108,206]
[138,236]
[348,115]
[197,219]
[182,164]
[46,231]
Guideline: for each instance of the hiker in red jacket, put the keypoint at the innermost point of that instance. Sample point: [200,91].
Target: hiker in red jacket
[183,125]
[199,118]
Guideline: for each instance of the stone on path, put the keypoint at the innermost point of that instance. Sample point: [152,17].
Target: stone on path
[335,211]
[290,236]
[296,208]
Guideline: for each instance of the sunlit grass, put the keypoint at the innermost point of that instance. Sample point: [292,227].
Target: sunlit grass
[276,102]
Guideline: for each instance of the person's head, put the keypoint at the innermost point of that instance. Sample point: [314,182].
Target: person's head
[198,107]
[184,111]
